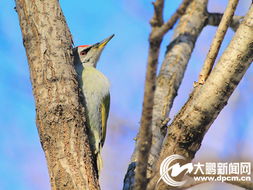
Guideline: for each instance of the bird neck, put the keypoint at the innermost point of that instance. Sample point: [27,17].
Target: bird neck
[89,65]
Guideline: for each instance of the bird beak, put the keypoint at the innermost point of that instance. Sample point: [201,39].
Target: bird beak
[102,44]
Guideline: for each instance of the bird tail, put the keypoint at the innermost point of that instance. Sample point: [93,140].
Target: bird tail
[99,162]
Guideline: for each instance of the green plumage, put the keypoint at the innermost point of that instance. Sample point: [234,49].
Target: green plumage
[104,114]
[97,100]
[95,87]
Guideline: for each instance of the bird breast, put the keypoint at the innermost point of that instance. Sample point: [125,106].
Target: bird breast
[95,87]
[95,82]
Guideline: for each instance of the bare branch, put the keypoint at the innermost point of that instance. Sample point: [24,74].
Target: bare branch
[144,136]
[187,130]
[172,71]
[173,19]
[145,132]
[214,19]
[218,38]
[157,19]
[59,111]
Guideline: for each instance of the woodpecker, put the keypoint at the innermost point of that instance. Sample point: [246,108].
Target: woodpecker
[95,87]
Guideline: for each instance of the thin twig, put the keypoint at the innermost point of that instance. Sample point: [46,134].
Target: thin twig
[214,19]
[173,19]
[145,133]
[157,19]
[144,139]
[219,36]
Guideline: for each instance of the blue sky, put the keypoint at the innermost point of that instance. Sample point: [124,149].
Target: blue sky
[22,162]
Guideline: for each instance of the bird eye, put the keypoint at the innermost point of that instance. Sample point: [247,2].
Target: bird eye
[83,53]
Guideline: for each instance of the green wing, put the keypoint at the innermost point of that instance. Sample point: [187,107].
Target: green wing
[104,113]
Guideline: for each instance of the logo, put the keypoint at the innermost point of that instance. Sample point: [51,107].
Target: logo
[173,174]
[174,170]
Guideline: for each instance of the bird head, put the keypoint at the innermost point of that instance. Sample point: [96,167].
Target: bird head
[89,55]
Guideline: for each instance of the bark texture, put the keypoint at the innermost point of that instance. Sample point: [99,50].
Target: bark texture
[172,71]
[138,177]
[187,130]
[59,113]
[145,132]
[174,65]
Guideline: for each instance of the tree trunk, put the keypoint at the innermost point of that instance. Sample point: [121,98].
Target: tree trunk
[59,113]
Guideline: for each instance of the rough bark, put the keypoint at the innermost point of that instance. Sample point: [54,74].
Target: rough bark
[141,152]
[172,71]
[187,130]
[145,132]
[59,113]
[174,65]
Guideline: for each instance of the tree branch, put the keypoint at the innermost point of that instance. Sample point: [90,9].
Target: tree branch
[218,38]
[144,136]
[187,130]
[173,19]
[157,19]
[214,19]
[59,111]
[172,71]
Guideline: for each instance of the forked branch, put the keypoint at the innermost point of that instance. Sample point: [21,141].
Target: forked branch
[145,132]
[187,130]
